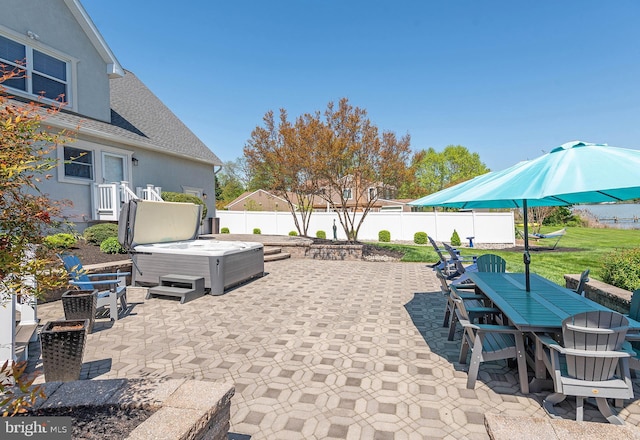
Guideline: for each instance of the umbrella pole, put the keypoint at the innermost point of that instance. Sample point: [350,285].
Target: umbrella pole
[525,256]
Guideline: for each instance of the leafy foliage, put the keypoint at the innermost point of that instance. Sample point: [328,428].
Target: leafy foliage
[96,234]
[60,241]
[224,230]
[339,157]
[112,246]
[434,171]
[420,237]
[455,239]
[17,393]
[257,231]
[293,233]
[321,234]
[169,196]
[621,268]
[26,157]
[384,236]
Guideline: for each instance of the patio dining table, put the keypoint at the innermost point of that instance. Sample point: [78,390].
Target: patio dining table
[541,310]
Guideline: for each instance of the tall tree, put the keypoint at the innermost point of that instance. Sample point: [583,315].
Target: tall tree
[279,156]
[358,163]
[436,171]
[341,159]
[231,181]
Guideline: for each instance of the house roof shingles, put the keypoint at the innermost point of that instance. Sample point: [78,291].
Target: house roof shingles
[140,117]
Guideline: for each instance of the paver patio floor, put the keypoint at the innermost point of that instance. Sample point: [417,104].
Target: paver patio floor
[319,350]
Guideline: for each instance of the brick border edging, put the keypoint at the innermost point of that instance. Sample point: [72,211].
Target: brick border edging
[186,409]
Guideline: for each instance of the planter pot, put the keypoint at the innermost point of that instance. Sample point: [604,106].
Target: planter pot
[80,304]
[62,345]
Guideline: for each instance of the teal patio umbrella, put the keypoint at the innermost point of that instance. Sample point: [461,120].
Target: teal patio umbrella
[573,173]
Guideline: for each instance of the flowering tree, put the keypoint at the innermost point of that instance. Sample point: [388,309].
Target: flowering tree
[25,213]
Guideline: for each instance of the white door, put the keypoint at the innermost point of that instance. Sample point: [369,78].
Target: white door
[114,168]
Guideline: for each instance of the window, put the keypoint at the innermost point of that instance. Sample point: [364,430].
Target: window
[372,194]
[346,194]
[37,73]
[78,163]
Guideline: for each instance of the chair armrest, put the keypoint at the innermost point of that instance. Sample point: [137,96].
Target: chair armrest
[116,274]
[597,353]
[490,327]
[633,337]
[548,341]
[94,283]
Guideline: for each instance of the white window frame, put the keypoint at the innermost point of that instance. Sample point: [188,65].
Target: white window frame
[30,45]
[97,150]
[375,193]
[350,193]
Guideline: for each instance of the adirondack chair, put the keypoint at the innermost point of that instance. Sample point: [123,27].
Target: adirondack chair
[115,284]
[491,263]
[445,264]
[590,362]
[584,279]
[489,343]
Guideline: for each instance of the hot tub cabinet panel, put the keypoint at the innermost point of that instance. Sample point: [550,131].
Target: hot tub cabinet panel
[220,271]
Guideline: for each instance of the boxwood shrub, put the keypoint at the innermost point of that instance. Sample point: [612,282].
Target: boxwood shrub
[60,241]
[321,234]
[257,231]
[96,234]
[455,239]
[224,230]
[112,246]
[420,238]
[293,233]
[384,236]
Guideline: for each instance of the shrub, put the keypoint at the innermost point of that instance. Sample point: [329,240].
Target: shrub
[169,196]
[112,246]
[455,239]
[293,233]
[621,268]
[420,238]
[257,231]
[96,234]
[224,230]
[384,236]
[321,234]
[60,241]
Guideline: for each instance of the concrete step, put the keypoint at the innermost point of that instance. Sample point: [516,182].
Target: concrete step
[270,250]
[276,257]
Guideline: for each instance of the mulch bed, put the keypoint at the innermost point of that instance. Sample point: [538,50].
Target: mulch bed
[91,254]
[101,422]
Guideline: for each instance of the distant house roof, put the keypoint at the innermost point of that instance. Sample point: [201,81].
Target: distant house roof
[265,200]
[139,118]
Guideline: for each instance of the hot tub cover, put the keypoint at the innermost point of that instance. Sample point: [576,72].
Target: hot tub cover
[147,222]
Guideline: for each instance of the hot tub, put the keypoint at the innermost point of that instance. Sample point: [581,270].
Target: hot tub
[161,239]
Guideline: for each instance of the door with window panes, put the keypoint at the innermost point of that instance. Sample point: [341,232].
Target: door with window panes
[113,168]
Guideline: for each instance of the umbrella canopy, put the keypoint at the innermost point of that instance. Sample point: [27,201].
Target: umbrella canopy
[573,173]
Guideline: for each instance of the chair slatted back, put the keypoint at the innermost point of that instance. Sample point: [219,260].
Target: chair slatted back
[584,279]
[491,263]
[455,257]
[74,268]
[589,332]
[634,307]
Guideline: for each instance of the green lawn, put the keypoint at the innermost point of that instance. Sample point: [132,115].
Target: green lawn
[588,249]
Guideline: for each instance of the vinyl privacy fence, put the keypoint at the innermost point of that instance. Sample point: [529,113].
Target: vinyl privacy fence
[485,227]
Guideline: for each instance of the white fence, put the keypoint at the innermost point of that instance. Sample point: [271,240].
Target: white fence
[486,227]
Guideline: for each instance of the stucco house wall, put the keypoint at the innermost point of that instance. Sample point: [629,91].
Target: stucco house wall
[115,118]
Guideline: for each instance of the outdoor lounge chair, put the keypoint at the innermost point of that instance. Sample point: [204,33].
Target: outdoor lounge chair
[115,284]
[445,264]
[556,234]
[591,362]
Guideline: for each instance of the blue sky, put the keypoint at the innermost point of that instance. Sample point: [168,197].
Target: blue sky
[506,79]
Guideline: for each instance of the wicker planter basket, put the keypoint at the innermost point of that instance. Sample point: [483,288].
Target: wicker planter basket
[62,345]
[80,304]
